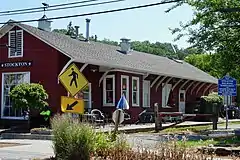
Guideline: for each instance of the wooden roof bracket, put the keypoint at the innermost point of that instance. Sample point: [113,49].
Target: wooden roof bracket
[200,87]
[194,87]
[181,87]
[205,90]
[65,67]
[155,81]
[175,85]
[160,82]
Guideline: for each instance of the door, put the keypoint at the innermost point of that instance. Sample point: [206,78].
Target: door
[182,101]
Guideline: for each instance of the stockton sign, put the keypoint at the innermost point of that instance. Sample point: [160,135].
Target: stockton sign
[15,64]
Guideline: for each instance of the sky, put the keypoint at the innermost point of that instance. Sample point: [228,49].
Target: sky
[140,24]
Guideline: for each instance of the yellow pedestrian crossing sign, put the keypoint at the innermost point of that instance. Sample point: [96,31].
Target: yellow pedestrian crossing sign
[73,80]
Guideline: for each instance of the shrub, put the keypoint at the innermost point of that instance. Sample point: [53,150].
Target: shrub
[29,96]
[75,140]
[213,98]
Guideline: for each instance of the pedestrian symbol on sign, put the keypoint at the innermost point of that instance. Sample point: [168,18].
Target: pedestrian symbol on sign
[74,78]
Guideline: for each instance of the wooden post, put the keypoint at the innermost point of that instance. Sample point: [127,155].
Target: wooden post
[215,116]
[157,119]
[117,122]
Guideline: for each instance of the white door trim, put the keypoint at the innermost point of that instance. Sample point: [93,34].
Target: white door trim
[182,103]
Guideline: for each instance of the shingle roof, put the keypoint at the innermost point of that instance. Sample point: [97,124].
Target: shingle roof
[108,55]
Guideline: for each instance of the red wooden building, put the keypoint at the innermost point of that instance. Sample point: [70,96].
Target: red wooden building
[41,55]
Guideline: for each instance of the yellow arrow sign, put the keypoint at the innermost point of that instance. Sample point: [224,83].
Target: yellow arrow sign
[73,80]
[72,105]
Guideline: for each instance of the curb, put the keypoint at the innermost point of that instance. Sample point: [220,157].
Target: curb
[26,136]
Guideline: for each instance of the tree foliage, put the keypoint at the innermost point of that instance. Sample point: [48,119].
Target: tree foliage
[29,96]
[206,62]
[157,48]
[215,28]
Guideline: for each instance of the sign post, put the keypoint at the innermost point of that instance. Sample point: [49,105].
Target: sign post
[158,121]
[227,86]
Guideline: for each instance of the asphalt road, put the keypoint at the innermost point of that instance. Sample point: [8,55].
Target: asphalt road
[43,149]
[31,149]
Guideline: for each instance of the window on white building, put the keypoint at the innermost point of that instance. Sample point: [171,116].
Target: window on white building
[15,41]
[146,93]
[135,91]
[165,94]
[125,86]
[109,90]
[9,81]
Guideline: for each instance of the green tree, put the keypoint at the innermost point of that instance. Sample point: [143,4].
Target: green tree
[108,41]
[29,97]
[215,29]
[206,62]
[62,31]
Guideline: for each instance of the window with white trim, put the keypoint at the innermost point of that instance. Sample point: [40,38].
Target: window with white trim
[15,41]
[85,94]
[109,90]
[125,86]
[9,81]
[227,100]
[135,91]
[166,89]
[146,93]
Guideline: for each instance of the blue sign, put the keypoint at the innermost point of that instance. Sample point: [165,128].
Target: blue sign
[227,86]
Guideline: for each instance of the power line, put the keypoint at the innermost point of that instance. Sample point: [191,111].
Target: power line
[100,12]
[51,6]
[61,8]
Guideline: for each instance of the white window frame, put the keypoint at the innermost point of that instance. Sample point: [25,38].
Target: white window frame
[227,99]
[104,91]
[164,95]
[149,91]
[137,104]
[127,90]
[2,97]
[9,41]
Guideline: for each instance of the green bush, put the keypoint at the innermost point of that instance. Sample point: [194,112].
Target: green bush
[72,139]
[75,140]
[213,98]
[29,96]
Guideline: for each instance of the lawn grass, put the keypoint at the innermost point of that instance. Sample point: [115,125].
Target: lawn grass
[195,129]
[199,143]
[234,141]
